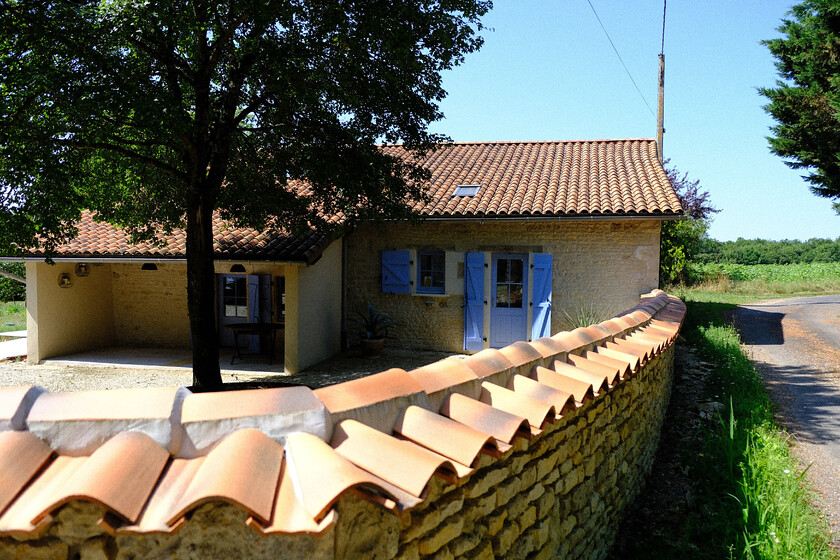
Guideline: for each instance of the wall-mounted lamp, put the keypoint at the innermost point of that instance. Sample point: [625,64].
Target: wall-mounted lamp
[65,280]
[82,269]
[148,266]
[237,268]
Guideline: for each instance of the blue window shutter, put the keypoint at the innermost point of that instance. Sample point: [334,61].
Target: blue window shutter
[265,298]
[395,272]
[254,309]
[541,316]
[474,302]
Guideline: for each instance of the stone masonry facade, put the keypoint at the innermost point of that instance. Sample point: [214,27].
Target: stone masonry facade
[621,258]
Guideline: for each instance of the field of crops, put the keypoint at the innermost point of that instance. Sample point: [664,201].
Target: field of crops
[768,278]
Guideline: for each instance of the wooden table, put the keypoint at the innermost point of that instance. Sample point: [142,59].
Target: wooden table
[250,329]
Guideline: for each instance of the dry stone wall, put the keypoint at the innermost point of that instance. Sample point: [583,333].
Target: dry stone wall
[557,491]
[559,495]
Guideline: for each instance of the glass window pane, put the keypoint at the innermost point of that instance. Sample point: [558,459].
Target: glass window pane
[502,295]
[515,295]
[516,270]
[230,288]
[242,311]
[502,270]
[230,311]
[431,272]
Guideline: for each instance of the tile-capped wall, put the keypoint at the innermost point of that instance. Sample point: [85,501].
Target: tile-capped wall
[537,460]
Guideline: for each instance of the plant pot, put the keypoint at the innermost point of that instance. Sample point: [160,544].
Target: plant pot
[372,347]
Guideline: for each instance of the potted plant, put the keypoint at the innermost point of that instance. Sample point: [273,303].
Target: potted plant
[373,330]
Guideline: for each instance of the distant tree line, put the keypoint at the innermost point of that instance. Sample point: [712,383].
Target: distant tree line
[762,251]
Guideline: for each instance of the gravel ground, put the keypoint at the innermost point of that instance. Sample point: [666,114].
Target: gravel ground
[343,367]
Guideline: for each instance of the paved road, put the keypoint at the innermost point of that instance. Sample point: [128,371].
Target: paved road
[796,344]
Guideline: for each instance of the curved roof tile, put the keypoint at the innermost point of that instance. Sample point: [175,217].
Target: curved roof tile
[518,179]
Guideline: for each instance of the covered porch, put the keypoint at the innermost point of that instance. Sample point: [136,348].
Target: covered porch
[134,311]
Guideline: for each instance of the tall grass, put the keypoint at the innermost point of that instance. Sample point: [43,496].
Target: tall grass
[766,279]
[756,505]
[12,316]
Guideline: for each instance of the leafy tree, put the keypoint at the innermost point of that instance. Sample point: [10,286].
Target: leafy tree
[681,240]
[155,115]
[806,101]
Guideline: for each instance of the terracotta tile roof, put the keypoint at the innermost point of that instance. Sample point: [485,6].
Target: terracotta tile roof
[549,179]
[284,457]
[517,180]
[98,239]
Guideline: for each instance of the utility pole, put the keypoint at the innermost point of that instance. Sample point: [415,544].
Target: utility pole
[660,119]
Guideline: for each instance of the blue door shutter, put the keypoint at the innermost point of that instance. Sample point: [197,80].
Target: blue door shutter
[265,298]
[254,309]
[474,302]
[395,272]
[541,316]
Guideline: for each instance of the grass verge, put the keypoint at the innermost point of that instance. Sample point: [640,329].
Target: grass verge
[755,502]
[12,316]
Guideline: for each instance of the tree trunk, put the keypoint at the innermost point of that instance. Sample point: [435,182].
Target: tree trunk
[201,293]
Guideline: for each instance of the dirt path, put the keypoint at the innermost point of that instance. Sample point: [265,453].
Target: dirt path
[796,345]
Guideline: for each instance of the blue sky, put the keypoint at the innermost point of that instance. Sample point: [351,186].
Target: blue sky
[548,72]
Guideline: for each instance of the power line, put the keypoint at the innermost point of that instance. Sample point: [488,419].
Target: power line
[622,60]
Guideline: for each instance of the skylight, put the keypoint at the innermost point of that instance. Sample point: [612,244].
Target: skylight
[466,190]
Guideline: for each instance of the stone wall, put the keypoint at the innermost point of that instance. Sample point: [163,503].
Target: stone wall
[560,495]
[621,258]
[559,491]
[151,305]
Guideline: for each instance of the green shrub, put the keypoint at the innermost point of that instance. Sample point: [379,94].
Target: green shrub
[12,290]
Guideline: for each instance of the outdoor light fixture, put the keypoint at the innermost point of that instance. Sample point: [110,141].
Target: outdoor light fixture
[82,269]
[148,266]
[65,280]
[237,268]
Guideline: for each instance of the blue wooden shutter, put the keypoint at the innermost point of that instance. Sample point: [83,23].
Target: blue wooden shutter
[541,316]
[395,272]
[265,298]
[474,302]
[254,309]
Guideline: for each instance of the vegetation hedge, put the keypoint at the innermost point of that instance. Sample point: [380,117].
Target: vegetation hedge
[12,290]
[762,251]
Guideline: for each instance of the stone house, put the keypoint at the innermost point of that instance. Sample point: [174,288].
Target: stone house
[515,237]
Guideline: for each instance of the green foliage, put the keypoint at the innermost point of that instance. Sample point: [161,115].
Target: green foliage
[12,316]
[679,242]
[134,109]
[762,251]
[372,324]
[584,315]
[805,100]
[748,500]
[767,279]
[12,290]
[755,504]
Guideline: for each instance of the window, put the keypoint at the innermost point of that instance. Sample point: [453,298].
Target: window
[236,296]
[509,275]
[466,190]
[431,267]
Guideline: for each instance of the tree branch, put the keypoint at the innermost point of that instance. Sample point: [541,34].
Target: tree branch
[146,160]
[13,276]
